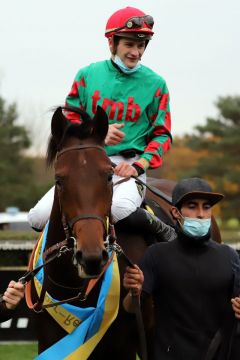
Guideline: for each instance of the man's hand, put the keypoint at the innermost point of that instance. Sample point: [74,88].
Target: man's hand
[114,135]
[125,170]
[133,280]
[236,306]
[13,295]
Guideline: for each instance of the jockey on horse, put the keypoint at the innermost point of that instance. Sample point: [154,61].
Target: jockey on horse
[136,100]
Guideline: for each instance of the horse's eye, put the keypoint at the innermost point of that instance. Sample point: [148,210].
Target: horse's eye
[58,181]
[110,176]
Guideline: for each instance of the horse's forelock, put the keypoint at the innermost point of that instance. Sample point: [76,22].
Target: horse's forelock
[80,131]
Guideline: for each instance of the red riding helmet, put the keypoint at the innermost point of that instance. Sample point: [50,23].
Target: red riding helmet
[130,22]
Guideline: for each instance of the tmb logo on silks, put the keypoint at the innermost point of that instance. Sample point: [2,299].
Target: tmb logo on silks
[133,111]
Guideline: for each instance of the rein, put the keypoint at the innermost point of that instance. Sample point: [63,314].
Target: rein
[151,188]
[139,320]
[154,190]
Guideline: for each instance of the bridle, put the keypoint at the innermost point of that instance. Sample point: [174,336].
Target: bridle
[69,244]
[70,240]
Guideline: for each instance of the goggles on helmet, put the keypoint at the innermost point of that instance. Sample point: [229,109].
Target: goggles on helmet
[136,22]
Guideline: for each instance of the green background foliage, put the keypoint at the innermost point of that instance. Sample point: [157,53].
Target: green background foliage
[19,185]
[221,138]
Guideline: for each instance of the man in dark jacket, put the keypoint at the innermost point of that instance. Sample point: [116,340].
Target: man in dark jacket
[10,299]
[191,281]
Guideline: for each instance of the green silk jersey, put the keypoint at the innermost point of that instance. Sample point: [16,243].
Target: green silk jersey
[139,100]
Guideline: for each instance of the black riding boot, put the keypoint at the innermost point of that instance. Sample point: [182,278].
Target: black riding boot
[149,225]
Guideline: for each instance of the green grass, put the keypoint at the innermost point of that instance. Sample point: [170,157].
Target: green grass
[18,235]
[18,351]
[21,351]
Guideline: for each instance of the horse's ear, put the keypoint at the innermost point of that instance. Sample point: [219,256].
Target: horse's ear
[100,124]
[59,123]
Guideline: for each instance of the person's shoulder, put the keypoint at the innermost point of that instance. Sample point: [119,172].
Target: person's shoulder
[98,65]
[225,248]
[152,74]
[156,254]
[160,247]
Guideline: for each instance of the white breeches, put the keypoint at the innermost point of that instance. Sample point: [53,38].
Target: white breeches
[127,197]
[40,213]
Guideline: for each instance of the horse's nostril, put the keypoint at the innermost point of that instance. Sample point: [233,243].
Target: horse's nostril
[91,263]
[82,259]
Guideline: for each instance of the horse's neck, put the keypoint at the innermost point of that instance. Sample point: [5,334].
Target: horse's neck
[133,245]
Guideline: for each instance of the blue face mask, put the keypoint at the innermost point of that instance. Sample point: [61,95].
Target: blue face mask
[196,227]
[123,67]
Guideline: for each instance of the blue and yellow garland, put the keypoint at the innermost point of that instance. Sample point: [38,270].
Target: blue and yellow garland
[85,326]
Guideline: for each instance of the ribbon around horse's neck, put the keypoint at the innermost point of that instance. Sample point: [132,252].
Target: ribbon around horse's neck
[85,326]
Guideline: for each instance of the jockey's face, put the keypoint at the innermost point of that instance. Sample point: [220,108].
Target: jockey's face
[130,51]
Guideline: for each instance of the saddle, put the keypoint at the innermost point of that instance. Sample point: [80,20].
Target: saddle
[154,208]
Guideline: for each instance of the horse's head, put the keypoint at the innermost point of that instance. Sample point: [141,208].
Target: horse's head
[83,175]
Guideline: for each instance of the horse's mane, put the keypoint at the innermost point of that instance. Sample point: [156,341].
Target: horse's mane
[80,130]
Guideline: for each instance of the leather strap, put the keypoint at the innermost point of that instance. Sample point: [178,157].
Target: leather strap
[214,345]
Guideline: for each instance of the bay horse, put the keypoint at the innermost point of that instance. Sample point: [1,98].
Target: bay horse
[79,224]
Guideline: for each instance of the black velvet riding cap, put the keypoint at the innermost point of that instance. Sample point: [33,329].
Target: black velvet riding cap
[194,188]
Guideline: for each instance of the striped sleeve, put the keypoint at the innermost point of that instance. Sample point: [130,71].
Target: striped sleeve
[76,97]
[160,138]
